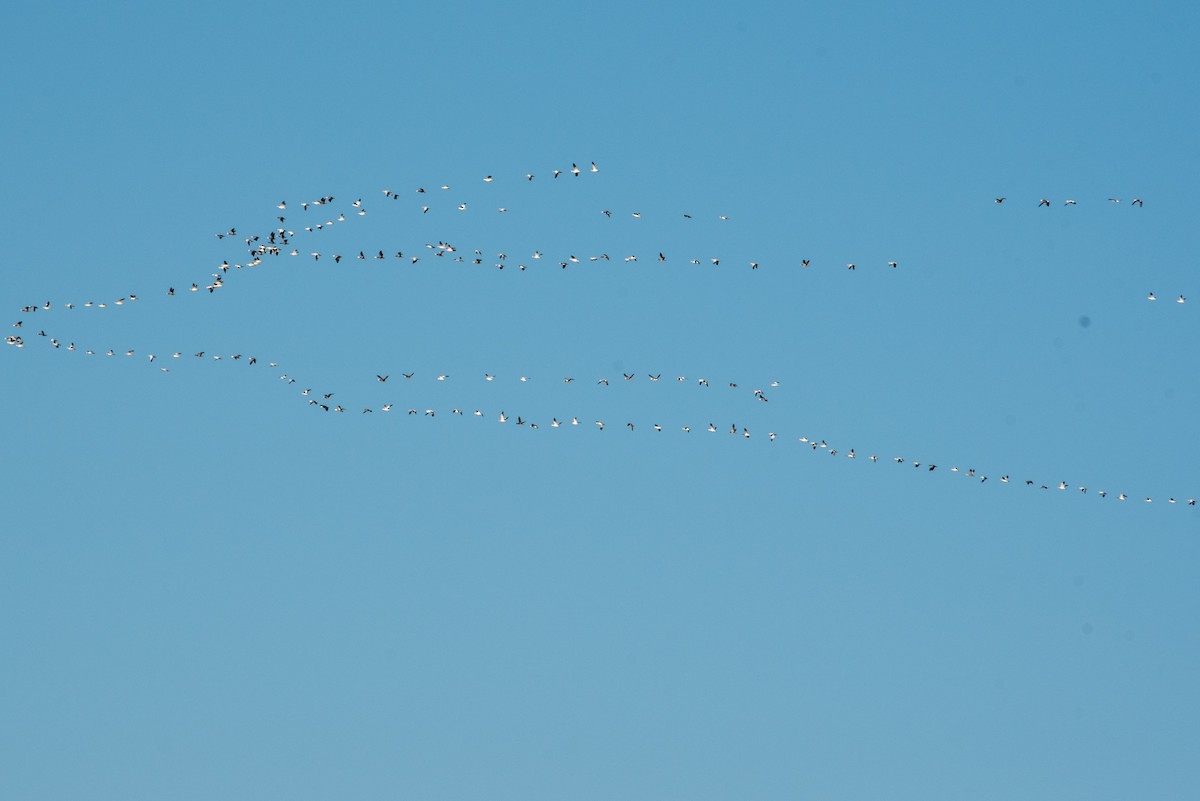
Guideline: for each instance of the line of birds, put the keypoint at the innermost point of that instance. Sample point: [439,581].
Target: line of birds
[280,238]
[1045,202]
[327,402]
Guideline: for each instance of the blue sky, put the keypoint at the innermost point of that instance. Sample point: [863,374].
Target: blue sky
[212,589]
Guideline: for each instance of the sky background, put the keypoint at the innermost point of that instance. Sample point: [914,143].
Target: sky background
[211,589]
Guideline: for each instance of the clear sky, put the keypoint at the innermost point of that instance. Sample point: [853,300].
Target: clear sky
[212,589]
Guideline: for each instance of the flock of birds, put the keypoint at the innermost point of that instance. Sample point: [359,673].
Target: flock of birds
[279,241]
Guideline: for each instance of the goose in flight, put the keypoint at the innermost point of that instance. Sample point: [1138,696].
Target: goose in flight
[1043,202]
[382,379]
[1137,201]
[1001,199]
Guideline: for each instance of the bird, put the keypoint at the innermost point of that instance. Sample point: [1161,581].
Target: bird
[1070,203]
[594,167]
[892,264]
[600,423]
[503,417]
[1180,299]
[381,378]
[1151,297]
[1043,202]
[1137,201]
[1001,199]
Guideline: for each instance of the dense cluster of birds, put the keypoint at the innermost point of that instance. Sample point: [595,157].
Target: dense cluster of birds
[280,241]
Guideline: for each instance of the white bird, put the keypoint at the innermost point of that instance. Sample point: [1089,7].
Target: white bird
[1180,299]
[594,167]
[601,424]
[1151,297]
[503,417]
